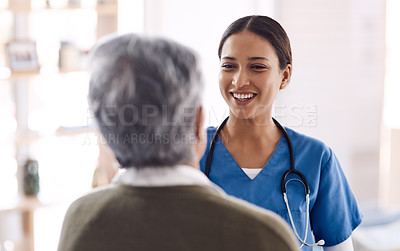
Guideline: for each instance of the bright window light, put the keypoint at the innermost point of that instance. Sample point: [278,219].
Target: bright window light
[66,166]
[130,16]
[52,29]
[59,101]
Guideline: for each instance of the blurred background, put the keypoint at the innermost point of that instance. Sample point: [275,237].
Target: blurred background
[345,91]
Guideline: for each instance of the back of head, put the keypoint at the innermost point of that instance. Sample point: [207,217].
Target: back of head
[144,94]
[266,28]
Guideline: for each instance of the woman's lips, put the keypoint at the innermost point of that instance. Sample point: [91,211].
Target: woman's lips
[243,98]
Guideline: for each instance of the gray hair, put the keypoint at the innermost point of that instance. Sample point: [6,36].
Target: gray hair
[145,94]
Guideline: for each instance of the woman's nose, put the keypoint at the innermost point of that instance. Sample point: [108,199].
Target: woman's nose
[240,79]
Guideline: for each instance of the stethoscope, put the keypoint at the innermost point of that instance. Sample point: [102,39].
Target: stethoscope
[292,170]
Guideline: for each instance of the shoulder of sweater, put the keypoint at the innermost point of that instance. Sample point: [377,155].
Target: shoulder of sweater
[205,195]
[260,218]
[239,213]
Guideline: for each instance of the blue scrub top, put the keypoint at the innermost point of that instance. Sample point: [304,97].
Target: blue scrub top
[334,210]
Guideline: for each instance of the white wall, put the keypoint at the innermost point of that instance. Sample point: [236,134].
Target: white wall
[338,50]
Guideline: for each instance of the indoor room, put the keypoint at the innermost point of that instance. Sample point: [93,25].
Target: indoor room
[343,90]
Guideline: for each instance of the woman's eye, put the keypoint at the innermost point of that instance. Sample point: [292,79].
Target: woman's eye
[228,66]
[258,67]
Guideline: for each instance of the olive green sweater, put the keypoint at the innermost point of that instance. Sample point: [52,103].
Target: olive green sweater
[122,217]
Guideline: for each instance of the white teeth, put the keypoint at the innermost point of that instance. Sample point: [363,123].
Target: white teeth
[243,96]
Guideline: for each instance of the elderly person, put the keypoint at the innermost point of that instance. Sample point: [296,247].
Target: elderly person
[146,98]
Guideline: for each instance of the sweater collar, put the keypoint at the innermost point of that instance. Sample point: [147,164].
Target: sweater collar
[179,175]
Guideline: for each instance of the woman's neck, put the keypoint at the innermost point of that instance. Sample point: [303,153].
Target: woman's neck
[250,144]
[250,130]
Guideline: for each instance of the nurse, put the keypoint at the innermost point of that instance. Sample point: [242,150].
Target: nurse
[250,154]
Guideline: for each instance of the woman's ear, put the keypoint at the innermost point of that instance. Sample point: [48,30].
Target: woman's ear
[201,143]
[199,123]
[286,74]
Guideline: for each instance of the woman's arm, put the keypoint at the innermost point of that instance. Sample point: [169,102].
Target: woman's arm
[347,245]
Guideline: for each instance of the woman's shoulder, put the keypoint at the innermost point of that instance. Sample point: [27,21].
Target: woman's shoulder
[312,150]
[303,142]
[211,130]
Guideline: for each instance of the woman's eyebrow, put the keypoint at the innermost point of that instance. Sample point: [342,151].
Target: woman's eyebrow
[229,58]
[258,58]
[251,58]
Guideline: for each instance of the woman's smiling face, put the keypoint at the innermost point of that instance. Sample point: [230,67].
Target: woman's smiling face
[250,77]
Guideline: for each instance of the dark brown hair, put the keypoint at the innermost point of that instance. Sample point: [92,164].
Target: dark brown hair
[264,27]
